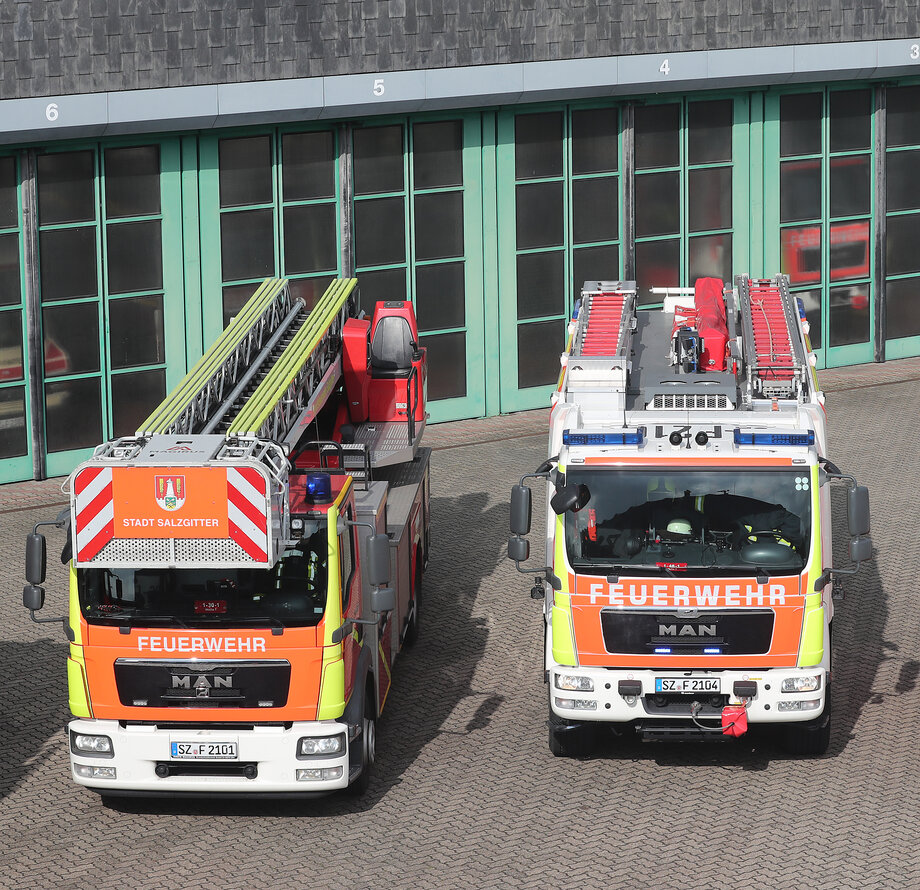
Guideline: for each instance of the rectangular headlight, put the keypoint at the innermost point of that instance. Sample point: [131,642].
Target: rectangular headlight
[574,683]
[94,772]
[319,775]
[576,704]
[91,745]
[803,683]
[321,746]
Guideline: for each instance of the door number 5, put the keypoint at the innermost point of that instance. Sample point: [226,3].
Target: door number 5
[378,87]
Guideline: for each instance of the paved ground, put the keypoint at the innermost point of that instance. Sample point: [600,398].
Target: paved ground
[467,794]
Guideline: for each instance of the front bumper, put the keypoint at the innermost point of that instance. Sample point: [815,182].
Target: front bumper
[139,748]
[612,707]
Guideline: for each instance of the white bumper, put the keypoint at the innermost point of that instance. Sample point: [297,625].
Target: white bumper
[609,705]
[139,749]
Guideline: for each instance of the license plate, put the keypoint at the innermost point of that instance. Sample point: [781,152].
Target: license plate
[688,684]
[203,750]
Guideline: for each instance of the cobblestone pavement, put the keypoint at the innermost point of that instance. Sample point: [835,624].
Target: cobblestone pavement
[467,794]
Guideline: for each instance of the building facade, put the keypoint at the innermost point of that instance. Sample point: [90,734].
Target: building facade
[158,159]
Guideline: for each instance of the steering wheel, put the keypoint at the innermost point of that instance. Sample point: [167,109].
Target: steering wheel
[768,531]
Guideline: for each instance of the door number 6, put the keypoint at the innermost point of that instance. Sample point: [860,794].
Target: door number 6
[51,111]
[915,50]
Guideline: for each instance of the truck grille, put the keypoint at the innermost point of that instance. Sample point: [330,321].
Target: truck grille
[687,401]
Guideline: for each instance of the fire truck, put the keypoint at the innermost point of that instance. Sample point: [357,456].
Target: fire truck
[688,579]
[245,569]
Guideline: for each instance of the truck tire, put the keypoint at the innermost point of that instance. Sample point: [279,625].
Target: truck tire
[412,627]
[568,738]
[810,738]
[368,742]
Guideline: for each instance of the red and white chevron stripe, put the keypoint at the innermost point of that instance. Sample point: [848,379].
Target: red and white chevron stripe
[94,511]
[246,511]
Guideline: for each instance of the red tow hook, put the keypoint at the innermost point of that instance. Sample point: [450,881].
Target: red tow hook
[734,720]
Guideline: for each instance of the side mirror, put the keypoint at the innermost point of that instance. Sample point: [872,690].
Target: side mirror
[570,497]
[378,560]
[518,549]
[858,510]
[520,510]
[36,559]
[33,598]
[383,599]
[861,548]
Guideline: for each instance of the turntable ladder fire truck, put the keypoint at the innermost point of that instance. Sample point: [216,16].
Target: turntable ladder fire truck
[688,575]
[245,569]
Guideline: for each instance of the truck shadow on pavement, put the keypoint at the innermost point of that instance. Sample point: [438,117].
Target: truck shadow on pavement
[430,679]
[33,707]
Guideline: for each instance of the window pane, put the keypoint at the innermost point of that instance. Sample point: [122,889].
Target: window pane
[710,199]
[657,129]
[10,285]
[539,213]
[13,442]
[538,145]
[594,141]
[234,298]
[657,204]
[380,231]
[902,301]
[245,171]
[310,238]
[438,225]
[378,160]
[383,284]
[800,124]
[9,215]
[66,184]
[811,300]
[800,254]
[539,347]
[10,348]
[799,190]
[71,337]
[901,247]
[903,116]
[309,289]
[440,296]
[68,263]
[709,139]
[903,186]
[308,165]
[134,396]
[849,315]
[711,257]
[850,177]
[600,263]
[446,365]
[540,284]
[594,209]
[849,250]
[135,256]
[136,331]
[132,181]
[246,248]
[73,414]
[657,265]
[850,119]
[437,154]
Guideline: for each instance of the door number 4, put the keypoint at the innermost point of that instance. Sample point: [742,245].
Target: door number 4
[665,68]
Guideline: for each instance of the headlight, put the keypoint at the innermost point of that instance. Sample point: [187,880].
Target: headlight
[799,705]
[321,746]
[94,772]
[576,704]
[804,683]
[91,745]
[319,775]
[574,683]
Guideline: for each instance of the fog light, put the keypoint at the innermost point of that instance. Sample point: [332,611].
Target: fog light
[804,683]
[576,704]
[574,683]
[319,774]
[91,745]
[94,772]
[321,746]
[810,705]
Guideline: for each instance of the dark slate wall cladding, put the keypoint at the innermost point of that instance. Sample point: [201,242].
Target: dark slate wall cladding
[57,47]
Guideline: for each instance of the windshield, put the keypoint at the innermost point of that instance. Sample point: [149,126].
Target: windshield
[292,594]
[747,522]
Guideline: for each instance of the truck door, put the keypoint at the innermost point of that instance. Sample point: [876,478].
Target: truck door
[351,600]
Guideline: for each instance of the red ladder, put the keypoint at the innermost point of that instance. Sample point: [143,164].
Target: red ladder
[774,357]
[603,321]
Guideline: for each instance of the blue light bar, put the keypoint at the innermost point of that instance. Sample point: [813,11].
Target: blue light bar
[712,651]
[663,650]
[800,437]
[630,438]
[319,488]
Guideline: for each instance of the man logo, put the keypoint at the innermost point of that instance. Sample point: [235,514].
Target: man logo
[202,685]
[170,491]
[686,630]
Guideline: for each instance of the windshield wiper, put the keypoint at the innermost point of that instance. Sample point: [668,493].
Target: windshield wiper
[136,620]
[276,624]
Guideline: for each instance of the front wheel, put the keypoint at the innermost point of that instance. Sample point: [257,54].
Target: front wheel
[812,737]
[368,743]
